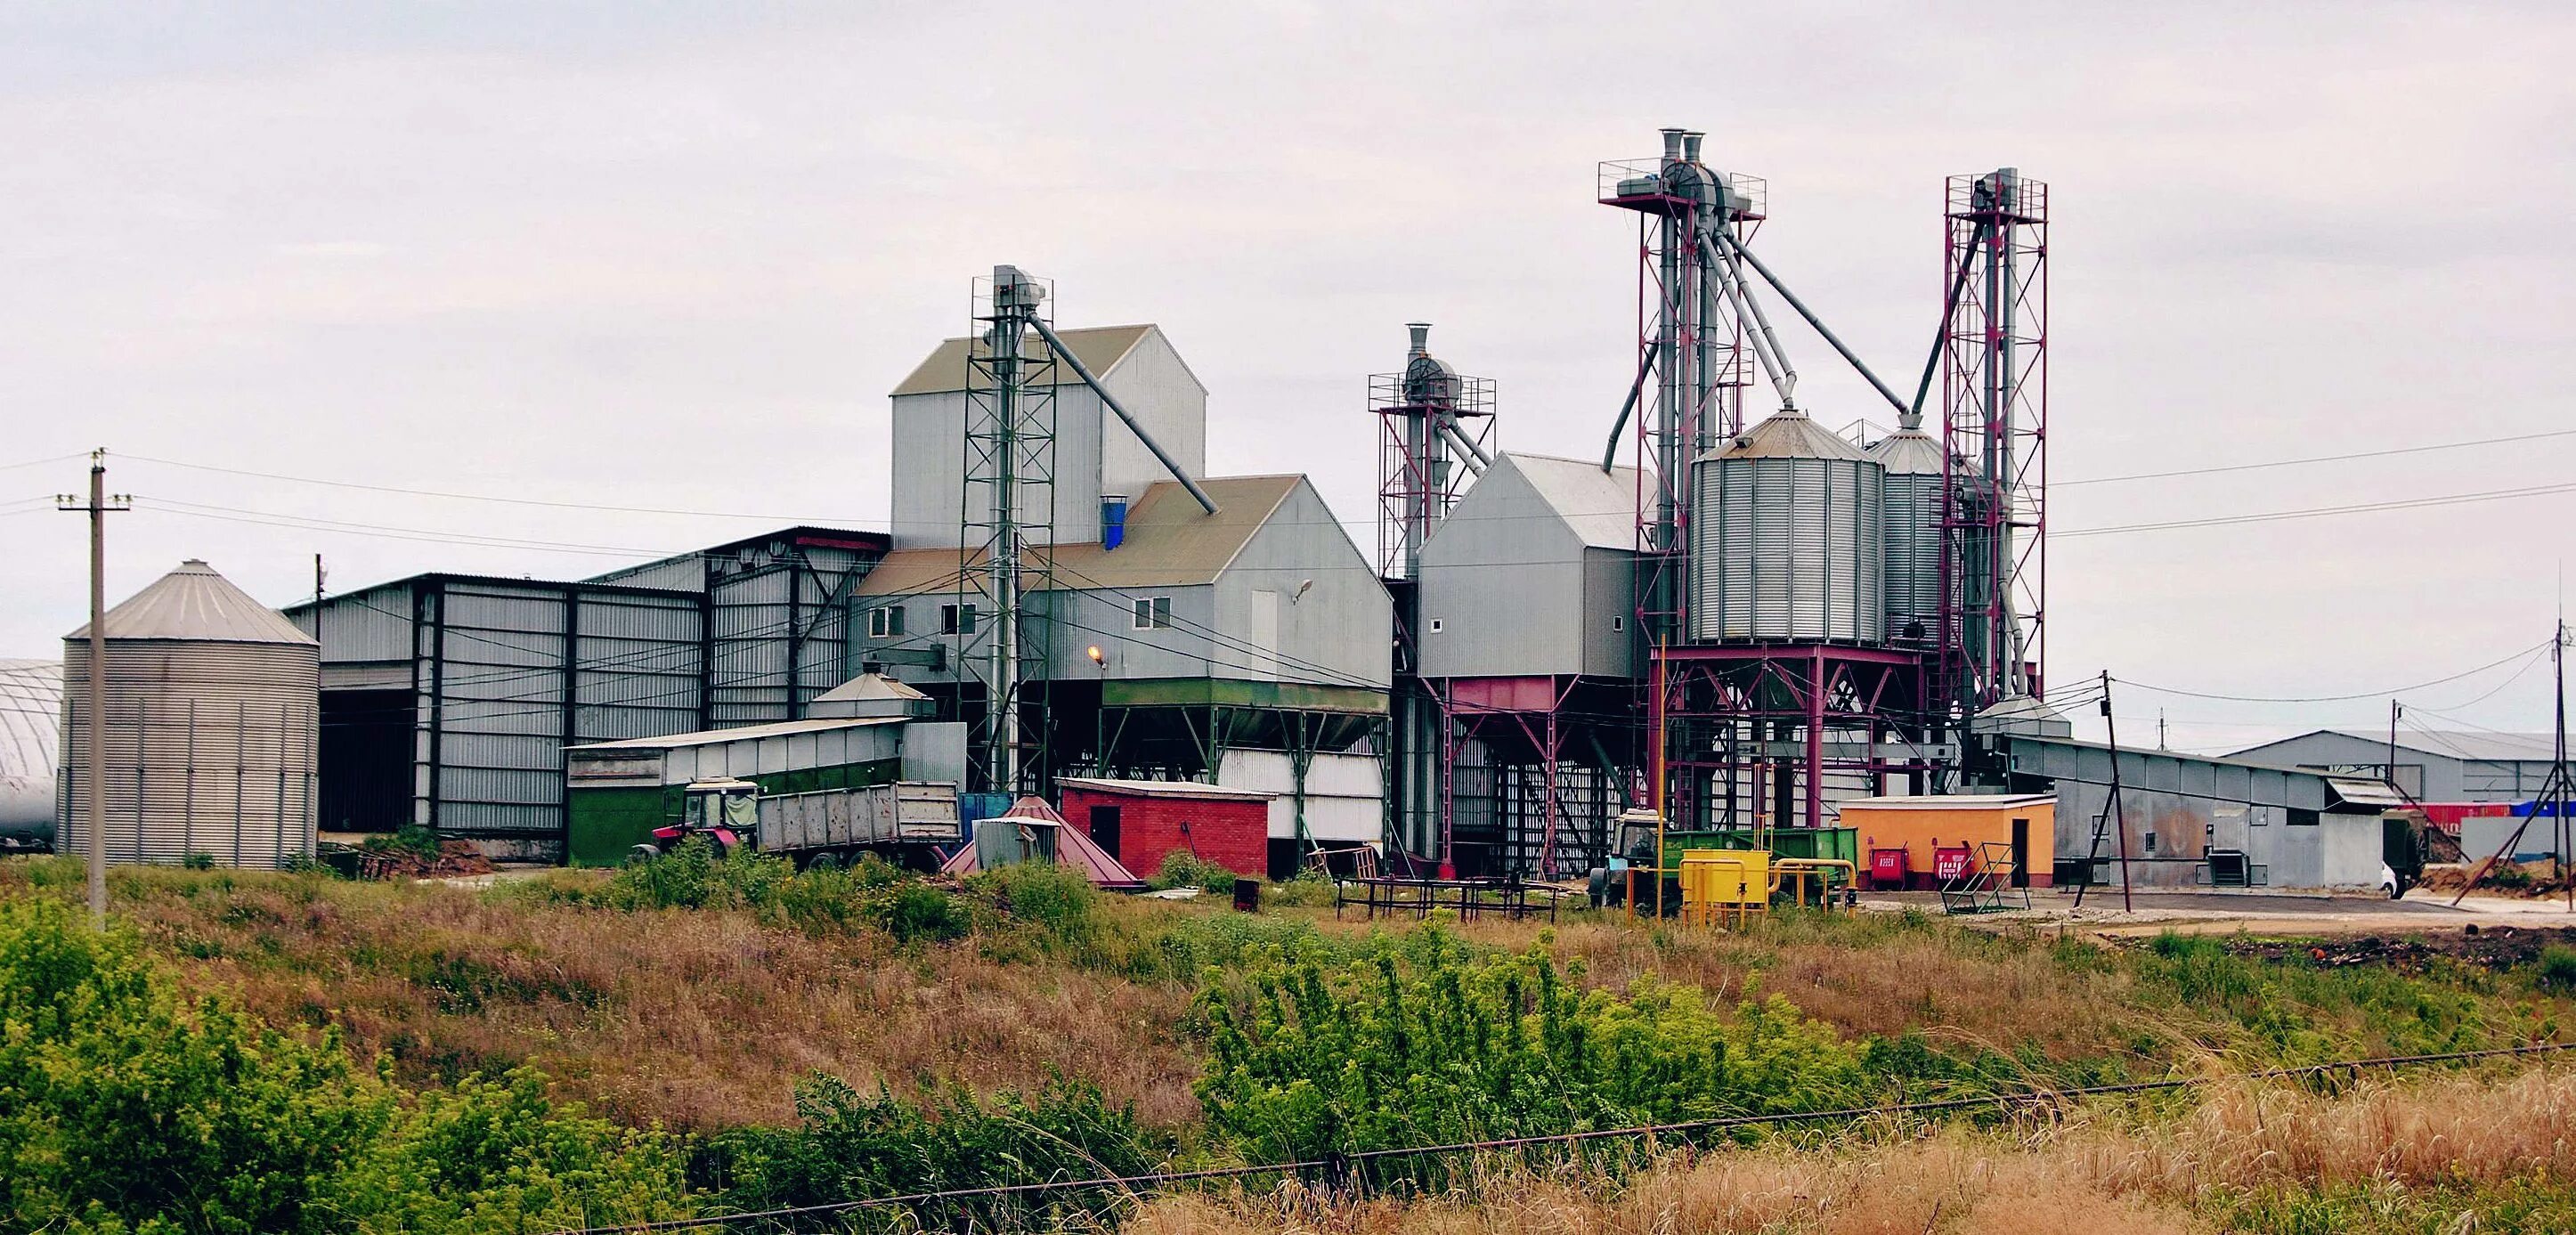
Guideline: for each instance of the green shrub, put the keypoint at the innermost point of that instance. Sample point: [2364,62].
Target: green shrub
[850,1144]
[1055,909]
[125,1108]
[1444,1047]
[2557,969]
[1182,869]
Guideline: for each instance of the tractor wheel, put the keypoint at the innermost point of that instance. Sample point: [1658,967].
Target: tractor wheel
[643,853]
[824,861]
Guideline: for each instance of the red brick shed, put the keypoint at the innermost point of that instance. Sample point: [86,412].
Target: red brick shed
[1142,821]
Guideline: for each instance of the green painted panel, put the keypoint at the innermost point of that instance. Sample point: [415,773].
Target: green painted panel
[1238,692]
[606,823]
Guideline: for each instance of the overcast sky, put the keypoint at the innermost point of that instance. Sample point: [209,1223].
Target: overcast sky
[673,256]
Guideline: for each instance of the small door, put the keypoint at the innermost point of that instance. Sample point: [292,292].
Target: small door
[1104,828]
[2021,853]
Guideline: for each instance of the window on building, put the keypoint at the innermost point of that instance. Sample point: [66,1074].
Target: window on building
[957,619]
[1153,613]
[2151,844]
[2302,818]
[1618,623]
[886,622]
[1435,626]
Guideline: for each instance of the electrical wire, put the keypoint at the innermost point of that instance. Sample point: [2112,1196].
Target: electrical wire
[467,497]
[265,519]
[77,454]
[2517,654]
[1342,1163]
[2342,458]
[2319,512]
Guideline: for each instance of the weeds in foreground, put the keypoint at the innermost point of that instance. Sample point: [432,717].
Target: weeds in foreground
[2459,1153]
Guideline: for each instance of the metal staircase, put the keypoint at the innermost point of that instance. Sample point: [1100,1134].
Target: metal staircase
[1987,885]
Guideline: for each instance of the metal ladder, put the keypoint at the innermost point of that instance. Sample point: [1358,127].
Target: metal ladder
[1987,885]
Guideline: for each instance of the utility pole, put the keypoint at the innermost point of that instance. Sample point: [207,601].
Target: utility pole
[94,737]
[2395,710]
[2116,810]
[2558,752]
[2160,730]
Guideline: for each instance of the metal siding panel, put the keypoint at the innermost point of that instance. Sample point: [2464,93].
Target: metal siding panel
[198,734]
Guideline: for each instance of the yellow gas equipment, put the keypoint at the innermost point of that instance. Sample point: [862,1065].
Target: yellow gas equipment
[1722,883]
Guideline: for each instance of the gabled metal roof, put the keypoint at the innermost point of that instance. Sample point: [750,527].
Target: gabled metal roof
[1600,507]
[1164,789]
[1170,543]
[2446,743]
[195,603]
[1099,348]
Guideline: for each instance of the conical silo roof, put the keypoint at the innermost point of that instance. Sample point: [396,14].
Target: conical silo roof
[1788,435]
[1908,452]
[195,603]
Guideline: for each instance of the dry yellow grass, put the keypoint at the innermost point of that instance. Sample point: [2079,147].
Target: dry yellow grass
[1955,985]
[2089,1176]
[696,1019]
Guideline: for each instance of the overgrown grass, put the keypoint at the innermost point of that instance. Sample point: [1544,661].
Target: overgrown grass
[2455,1154]
[702,992]
[125,1107]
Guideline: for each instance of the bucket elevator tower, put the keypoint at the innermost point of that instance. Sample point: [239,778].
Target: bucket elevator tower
[1692,346]
[1435,428]
[1994,382]
[1006,505]
[1770,681]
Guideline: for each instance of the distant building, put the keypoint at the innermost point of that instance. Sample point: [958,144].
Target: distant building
[2440,766]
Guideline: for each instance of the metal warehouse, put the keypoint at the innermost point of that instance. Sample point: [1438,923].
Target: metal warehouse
[2197,821]
[447,700]
[2431,765]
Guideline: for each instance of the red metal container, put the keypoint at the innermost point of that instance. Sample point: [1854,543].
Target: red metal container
[1888,868]
[1949,864]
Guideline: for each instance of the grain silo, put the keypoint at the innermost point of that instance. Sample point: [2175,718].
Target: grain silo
[1788,542]
[31,712]
[211,705]
[1913,522]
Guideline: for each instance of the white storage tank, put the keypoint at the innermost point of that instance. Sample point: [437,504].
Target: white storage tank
[1788,538]
[211,728]
[1913,535]
[31,713]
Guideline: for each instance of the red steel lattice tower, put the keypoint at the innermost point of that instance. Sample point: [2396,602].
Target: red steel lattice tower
[1994,368]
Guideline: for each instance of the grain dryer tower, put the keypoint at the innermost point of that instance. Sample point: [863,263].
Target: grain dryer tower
[210,727]
[1763,603]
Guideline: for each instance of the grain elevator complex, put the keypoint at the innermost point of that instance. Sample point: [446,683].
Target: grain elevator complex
[1735,619]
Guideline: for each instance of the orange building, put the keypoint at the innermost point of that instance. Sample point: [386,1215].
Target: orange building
[1920,841]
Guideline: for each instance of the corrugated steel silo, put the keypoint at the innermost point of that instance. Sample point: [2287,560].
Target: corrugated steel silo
[211,727]
[1788,538]
[31,709]
[1913,522]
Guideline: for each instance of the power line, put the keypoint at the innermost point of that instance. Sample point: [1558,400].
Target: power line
[2367,694]
[464,497]
[77,454]
[1849,1114]
[2318,512]
[267,519]
[2362,454]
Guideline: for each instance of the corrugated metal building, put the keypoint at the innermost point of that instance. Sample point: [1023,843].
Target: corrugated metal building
[447,700]
[2439,766]
[1093,453]
[1533,573]
[2296,827]
[1527,599]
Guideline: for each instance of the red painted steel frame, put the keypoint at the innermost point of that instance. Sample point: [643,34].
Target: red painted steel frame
[1994,363]
[1818,688]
